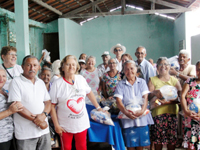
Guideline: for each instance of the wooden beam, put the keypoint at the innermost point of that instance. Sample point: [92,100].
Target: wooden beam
[134,12]
[98,8]
[152,5]
[123,2]
[164,3]
[39,2]
[189,6]
[81,8]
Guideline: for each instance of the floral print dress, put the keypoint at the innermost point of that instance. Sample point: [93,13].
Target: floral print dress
[111,82]
[192,127]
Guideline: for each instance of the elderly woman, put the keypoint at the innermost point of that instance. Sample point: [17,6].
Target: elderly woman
[91,74]
[191,94]
[9,57]
[45,75]
[130,90]
[111,79]
[186,70]
[164,131]
[6,110]
[68,93]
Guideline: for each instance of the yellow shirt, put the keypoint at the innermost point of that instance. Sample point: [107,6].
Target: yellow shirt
[170,108]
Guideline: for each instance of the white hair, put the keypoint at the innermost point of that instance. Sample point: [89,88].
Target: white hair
[184,52]
[129,61]
[142,48]
[89,58]
[56,66]
[113,59]
[161,59]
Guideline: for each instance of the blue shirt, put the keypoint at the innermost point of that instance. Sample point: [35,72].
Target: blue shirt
[126,92]
[147,69]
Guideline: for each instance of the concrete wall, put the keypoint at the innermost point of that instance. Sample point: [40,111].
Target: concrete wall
[36,30]
[179,32]
[195,45]
[153,32]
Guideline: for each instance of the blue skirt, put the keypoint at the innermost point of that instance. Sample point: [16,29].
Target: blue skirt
[136,136]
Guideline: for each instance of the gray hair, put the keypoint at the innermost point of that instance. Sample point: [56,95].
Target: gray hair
[129,61]
[161,59]
[112,59]
[184,52]
[46,68]
[28,56]
[55,67]
[198,62]
[89,58]
[141,47]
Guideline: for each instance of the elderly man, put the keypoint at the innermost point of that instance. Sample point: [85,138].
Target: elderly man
[186,70]
[9,57]
[31,126]
[118,50]
[103,68]
[146,67]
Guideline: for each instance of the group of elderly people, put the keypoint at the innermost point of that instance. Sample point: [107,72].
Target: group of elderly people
[64,90]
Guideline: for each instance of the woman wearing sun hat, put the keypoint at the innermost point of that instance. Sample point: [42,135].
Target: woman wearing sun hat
[118,50]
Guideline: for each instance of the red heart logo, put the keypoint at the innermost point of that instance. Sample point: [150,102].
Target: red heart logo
[75,106]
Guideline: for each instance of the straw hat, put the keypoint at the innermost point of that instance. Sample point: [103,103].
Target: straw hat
[120,46]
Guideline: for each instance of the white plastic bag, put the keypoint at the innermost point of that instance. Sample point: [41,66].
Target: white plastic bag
[169,92]
[132,108]
[195,105]
[102,117]
[47,55]
[174,62]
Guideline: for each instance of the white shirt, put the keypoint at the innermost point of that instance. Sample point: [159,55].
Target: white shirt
[32,97]
[119,65]
[14,72]
[54,78]
[70,99]
[101,68]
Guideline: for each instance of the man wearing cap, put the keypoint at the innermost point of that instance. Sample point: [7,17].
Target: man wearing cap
[31,126]
[103,68]
[118,50]
[146,67]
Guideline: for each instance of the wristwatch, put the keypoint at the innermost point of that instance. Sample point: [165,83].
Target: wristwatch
[46,114]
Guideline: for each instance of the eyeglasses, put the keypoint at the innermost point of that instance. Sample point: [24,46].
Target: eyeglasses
[12,54]
[112,63]
[138,53]
[119,50]
[159,65]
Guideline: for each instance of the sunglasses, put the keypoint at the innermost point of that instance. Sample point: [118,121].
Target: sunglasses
[117,50]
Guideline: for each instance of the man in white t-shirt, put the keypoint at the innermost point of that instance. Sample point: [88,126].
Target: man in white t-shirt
[31,126]
[103,68]
[186,70]
[9,57]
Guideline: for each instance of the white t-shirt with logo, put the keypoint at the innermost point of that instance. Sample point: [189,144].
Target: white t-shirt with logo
[70,99]
[32,97]
[14,72]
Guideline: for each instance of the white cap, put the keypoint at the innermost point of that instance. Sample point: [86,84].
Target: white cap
[105,53]
[81,60]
